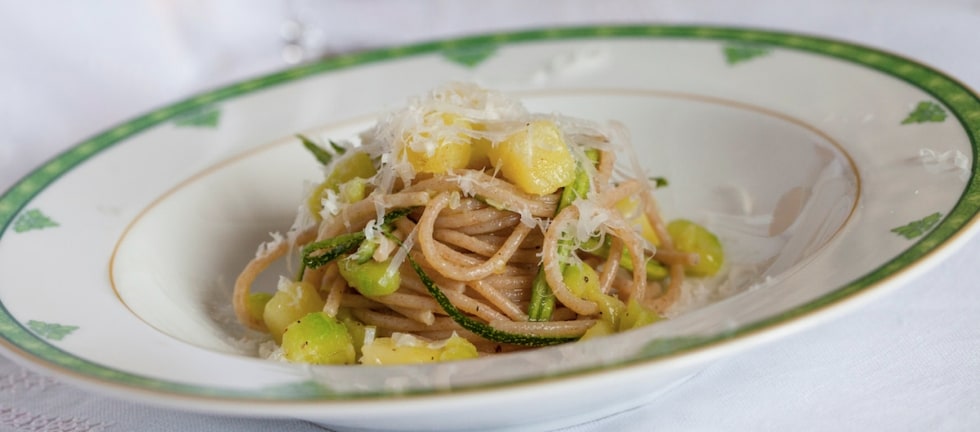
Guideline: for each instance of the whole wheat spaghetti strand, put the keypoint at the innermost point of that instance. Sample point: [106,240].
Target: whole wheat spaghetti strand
[545,328]
[435,257]
[357,301]
[401,324]
[467,204]
[509,281]
[481,247]
[672,291]
[336,287]
[463,302]
[604,171]
[563,314]
[255,267]
[517,295]
[408,301]
[329,272]
[652,214]
[423,316]
[622,230]
[531,242]
[634,244]
[622,191]
[448,284]
[355,216]
[507,221]
[403,227]
[498,299]
[471,217]
[552,267]
[312,276]
[611,266]
[474,307]
[501,192]
[616,226]
[452,257]
[623,286]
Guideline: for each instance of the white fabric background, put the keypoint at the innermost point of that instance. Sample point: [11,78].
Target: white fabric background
[908,361]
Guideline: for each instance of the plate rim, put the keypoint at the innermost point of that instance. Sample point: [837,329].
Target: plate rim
[961,221]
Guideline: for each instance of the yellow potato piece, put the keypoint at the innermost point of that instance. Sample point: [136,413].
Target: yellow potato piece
[290,303]
[536,158]
[630,208]
[410,350]
[441,150]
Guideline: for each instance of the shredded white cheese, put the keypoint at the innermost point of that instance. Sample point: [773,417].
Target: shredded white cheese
[591,218]
[399,258]
[267,247]
[330,203]
[529,220]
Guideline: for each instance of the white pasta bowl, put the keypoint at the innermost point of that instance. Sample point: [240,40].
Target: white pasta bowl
[831,172]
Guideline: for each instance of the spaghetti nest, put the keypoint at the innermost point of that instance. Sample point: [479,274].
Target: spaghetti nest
[464,216]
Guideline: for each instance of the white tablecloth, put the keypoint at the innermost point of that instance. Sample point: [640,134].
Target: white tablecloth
[909,361]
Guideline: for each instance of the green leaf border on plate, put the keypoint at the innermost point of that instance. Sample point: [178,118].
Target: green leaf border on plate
[33,219]
[736,53]
[51,331]
[919,227]
[955,98]
[207,116]
[469,55]
[925,112]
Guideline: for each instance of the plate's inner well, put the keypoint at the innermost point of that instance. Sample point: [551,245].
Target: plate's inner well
[176,265]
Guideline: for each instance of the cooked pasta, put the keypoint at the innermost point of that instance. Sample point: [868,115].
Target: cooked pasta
[462,225]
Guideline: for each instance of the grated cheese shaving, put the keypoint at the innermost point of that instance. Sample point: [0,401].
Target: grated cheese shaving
[529,220]
[372,230]
[384,249]
[466,182]
[399,258]
[591,218]
[331,204]
[270,245]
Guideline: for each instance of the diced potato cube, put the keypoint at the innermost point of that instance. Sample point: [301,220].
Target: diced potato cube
[443,151]
[536,159]
[637,316]
[357,165]
[631,209]
[407,349]
[600,329]
[291,302]
[583,281]
[354,166]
